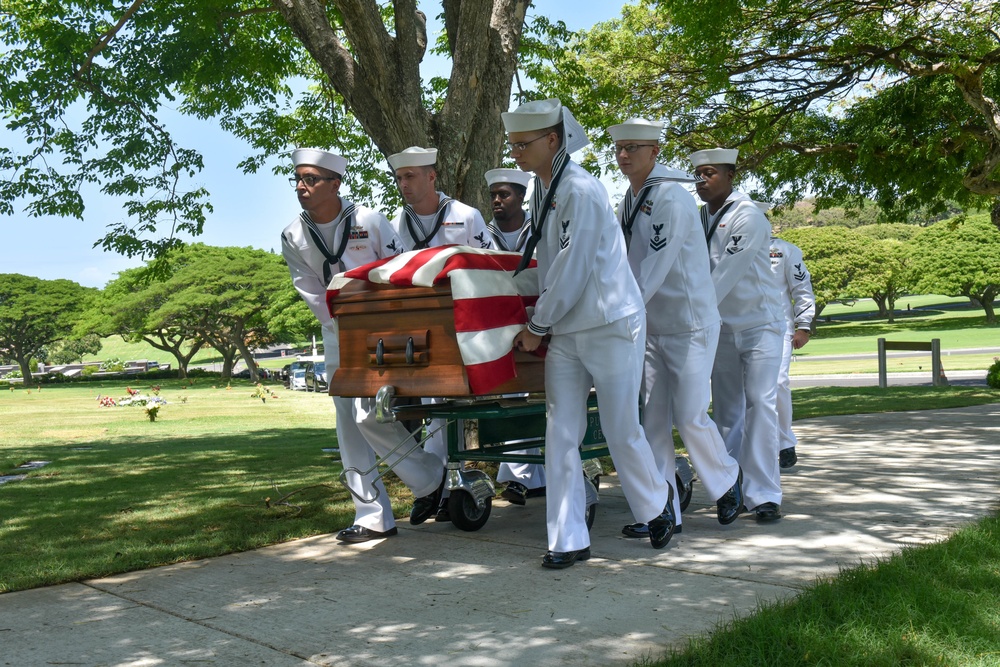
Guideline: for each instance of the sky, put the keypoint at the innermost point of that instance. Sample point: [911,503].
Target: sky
[250,209]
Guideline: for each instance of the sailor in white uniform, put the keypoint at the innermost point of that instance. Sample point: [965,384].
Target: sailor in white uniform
[668,257]
[510,228]
[748,358]
[429,219]
[592,307]
[800,309]
[332,235]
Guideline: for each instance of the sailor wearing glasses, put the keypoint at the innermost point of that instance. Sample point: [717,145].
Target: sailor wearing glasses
[669,259]
[332,235]
[591,305]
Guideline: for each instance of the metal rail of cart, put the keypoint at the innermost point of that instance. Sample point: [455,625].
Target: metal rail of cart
[492,429]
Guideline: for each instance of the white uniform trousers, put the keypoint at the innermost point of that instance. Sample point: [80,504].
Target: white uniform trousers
[786,436]
[677,393]
[744,392]
[437,442]
[608,358]
[360,437]
[532,475]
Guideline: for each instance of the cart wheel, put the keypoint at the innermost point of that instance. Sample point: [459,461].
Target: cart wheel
[591,515]
[464,512]
[685,492]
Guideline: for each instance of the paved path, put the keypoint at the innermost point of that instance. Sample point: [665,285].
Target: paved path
[865,486]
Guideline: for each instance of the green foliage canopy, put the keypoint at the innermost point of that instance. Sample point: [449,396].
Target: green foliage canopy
[35,313]
[960,257]
[86,83]
[893,102]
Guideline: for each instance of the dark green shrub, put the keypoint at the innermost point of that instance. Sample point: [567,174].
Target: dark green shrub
[993,374]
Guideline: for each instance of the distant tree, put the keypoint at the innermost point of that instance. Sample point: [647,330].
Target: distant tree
[70,350]
[893,101]
[224,294]
[35,313]
[892,276]
[960,257]
[130,306]
[840,261]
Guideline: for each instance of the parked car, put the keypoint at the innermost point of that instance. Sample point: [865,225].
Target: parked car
[297,375]
[316,376]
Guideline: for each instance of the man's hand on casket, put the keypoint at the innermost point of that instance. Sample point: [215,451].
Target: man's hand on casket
[527,341]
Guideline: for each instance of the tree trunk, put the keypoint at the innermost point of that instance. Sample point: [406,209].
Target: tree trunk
[379,78]
[247,355]
[892,308]
[174,348]
[995,213]
[25,370]
[989,296]
[879,300]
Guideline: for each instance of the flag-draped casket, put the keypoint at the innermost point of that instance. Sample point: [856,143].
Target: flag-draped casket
[435,322]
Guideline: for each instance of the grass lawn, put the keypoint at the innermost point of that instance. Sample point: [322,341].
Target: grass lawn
[122,493]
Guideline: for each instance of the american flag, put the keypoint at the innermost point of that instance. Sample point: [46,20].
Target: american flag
[490,302]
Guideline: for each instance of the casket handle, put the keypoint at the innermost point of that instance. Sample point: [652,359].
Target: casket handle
[409,351]
[380,353]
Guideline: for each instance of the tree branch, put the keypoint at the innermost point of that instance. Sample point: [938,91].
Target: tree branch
[106,39]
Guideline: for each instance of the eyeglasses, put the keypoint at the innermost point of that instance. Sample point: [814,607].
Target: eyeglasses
[630,148]
[309,180]
[521,145]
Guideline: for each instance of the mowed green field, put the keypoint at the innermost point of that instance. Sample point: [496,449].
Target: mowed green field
[122,493]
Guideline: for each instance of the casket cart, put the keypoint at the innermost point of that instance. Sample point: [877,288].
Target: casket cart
[400,343]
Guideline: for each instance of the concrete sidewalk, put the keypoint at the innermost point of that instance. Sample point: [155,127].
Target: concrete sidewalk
[865,486]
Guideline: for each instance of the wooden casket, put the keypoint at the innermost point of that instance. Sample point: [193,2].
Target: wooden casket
[405,337]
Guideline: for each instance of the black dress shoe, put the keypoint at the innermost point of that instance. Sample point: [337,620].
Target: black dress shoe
[661,529]
[425,506]
[787,458]
[642,530]
[558,560]
[730,505]
[536,493]
[362,534]
[767,512]
[515,493]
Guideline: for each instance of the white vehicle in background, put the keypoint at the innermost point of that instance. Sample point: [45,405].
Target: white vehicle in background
[302,372]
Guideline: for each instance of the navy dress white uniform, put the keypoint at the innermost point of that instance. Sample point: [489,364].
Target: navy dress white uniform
[430,219]
[668,256]
[526,477]
[745,374]
[592,307]
[314,253]
[800,309]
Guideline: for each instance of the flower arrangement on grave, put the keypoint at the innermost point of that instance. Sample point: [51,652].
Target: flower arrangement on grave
[263,393]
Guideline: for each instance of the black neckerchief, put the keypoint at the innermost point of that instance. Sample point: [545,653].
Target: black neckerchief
[501,241]
[631,206]
[346,217]
[718,218]
[540,209]
[412,224]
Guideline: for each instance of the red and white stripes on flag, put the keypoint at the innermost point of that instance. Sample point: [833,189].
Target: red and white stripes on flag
[490,302]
